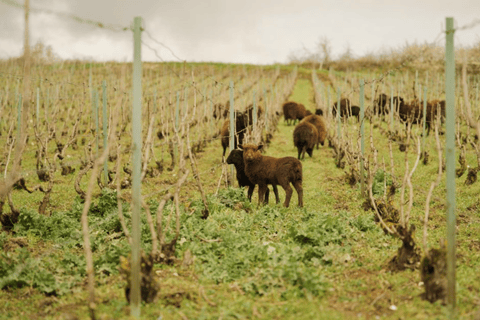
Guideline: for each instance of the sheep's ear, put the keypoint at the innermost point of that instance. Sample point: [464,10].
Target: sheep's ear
[260,147]
[240,147]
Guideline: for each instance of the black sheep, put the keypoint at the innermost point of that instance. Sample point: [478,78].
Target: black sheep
[236,158]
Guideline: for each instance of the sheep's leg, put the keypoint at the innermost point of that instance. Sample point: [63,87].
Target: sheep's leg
[275,190]
[298,186]
[288,192]
[267,195]
[299,152]
[250,192]
[261,193]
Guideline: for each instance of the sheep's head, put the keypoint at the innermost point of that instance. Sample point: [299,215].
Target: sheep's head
[236,156]
[251,152]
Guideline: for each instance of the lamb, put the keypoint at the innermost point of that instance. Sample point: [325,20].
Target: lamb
[264,170]
[319,123]
[305,136]
[236,158]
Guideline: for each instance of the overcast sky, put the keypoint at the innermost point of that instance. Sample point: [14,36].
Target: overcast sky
[245,31]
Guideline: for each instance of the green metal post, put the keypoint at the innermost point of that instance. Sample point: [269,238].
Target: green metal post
[95,114]
[232,124]
[177,124]
[416,85]
[211,110]
[19,118]
[137,162]
[362,134]
[450,161]
[185,101]
[328,102]
[424,117]
[155,102]
[338,113]
[391,109]
[38,107]
[254,116]
[266,110]
[105,129]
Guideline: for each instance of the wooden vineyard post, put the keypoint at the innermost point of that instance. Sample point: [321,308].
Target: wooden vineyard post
[137,167]
[450,162]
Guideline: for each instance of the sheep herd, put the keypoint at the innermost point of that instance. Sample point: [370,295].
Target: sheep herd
[253,168]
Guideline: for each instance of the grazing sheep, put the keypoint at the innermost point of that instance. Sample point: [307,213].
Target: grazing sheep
[434,107]
[380,106]
[305,136]
[264,170]
[236,158]
[241,124]
[397,103]
[344,108]
[356,112]
[249,113]
[294,111]
[413,112]
[319,123]
[287,113]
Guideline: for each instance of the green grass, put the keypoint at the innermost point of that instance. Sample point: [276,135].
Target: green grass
[324,261]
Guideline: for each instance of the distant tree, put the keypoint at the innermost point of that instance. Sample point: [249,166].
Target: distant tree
[324,52]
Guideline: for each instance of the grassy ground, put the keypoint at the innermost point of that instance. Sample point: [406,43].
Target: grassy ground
[324,261]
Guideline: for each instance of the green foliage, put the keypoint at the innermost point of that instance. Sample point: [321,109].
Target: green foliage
[3,238]
[363,223]
[379,181]
[237,246]
[58,225]
[21,270]
[106,203]
[55,275]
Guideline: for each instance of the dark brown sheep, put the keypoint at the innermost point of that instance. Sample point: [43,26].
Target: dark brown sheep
[381,104]
[305,136]
[288,111]
[241,124]
[249,113]
[236,158]
[319,112]
[356,112]
[293,111]
[319,123]
[265,170]
[344,108]
[413,112]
